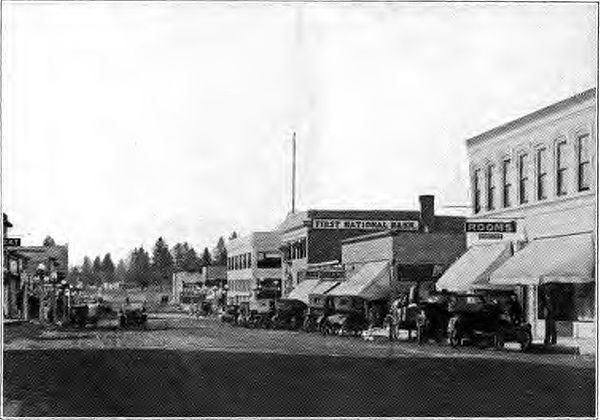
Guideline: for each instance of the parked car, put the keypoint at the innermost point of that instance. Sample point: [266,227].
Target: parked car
[345,323]
[289,313]
[90,311]
[474,319]
[433,317]
[230,314]
[133,314]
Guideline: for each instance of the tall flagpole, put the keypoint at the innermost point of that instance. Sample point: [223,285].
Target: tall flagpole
[294,172]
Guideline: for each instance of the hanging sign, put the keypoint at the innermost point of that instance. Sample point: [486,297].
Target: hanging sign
[346,224]
[489,227]
[12,241]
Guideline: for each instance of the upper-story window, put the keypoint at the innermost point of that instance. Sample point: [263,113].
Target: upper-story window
[542,174]
[490,187]
[477,191]
[523,178]
[561,167]
[583,162]
[268,260]
[506,183]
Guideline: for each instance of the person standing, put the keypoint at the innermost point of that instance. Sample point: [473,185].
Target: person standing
[550,317]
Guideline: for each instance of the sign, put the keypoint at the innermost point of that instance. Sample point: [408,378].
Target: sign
[12,241]
[489,227]
[342,224]
[490,236]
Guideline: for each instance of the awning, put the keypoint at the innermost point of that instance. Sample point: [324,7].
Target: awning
[324,287]
[473,269]
[302,290]
[371,282]
[562,259]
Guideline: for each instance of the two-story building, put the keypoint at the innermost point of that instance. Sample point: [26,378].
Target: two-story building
[533,189]
[407,260]
[253,267]
[313,238]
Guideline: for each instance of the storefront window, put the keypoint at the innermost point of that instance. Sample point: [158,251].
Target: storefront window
[569,301]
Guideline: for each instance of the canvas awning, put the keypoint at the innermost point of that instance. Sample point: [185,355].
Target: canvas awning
[472,270]
[324,287]
[562,259]
[372,281]
[302,290]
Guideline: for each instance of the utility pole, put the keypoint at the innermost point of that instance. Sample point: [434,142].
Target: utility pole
[294,172]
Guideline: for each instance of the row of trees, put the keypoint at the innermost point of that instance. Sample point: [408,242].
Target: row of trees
[143,269]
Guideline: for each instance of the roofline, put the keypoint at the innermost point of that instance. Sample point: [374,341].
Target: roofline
[542,112]
[393,233]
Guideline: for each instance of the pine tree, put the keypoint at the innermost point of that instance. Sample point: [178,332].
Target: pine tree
[233,235]
[140,271]
[220,253]
[87,273]
[121,272]
[49,241]
[191,262]
[206,258]
[162,262]
[108,269]
[178,253]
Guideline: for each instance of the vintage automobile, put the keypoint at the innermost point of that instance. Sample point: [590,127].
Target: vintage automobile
[289,314]
[476,320]
[133,314]
[345,323]
[257,313]
[90,311]
[230,314]
[319,308]
[433,317]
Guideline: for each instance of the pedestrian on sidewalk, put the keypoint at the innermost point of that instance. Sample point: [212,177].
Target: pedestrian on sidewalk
[550,317]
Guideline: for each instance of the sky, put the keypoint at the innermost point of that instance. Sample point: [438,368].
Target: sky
[123,122]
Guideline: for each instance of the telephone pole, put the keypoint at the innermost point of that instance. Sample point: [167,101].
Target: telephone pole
[294,172]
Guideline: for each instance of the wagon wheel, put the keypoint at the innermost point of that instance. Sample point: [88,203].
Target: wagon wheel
[499,340]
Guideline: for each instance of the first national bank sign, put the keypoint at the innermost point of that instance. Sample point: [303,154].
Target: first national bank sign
[410,225]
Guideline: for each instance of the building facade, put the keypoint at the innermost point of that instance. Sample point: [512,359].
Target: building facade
[315,237]
[253,267]
[416,260]
[533,189]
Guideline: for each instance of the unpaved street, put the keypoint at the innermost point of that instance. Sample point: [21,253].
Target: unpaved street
[183,366]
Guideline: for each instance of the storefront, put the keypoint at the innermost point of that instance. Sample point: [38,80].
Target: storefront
[534,216]
[254,267]
[557,272]
[316,236]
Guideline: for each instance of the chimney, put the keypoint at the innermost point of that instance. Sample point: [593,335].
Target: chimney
[427,219]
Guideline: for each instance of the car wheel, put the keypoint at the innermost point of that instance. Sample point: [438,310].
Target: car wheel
[499,340]
[526,341]
[420,334]
[454,337]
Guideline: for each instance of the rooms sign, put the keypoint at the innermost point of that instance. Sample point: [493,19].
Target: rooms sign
[410,225]
[488,227]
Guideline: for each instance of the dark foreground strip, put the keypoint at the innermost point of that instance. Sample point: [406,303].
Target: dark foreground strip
[171,383]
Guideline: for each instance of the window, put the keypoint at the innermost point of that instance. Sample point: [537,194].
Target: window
[490,187]
[268,260]
[476,191]
[561,168]
[583,163]
[523,178]
[506,183]
[541,174]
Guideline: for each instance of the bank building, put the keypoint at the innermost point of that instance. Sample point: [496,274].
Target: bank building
[533,190]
